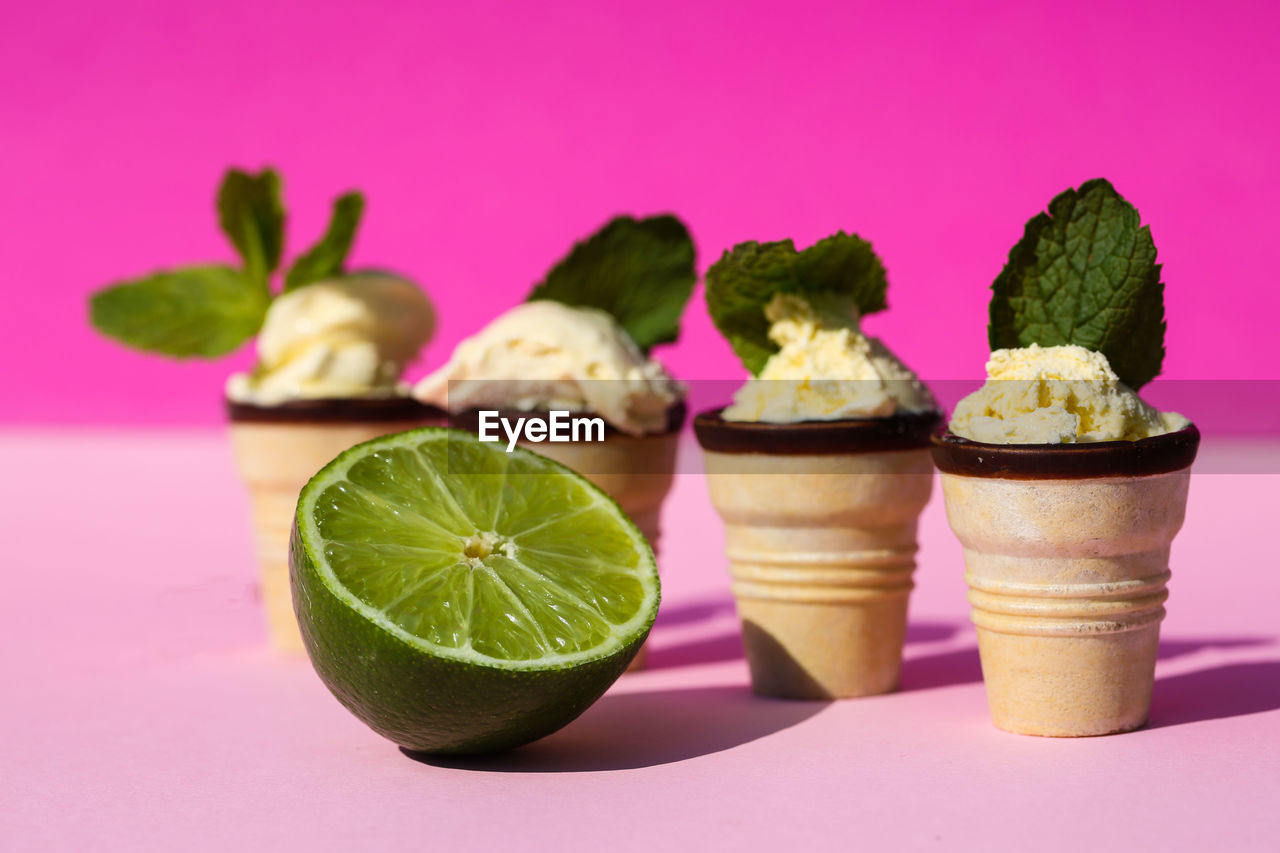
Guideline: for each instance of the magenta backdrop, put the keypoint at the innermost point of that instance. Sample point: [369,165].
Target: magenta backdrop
[489,135]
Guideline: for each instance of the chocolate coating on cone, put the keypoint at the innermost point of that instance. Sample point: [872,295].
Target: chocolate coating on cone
[1158,454]
[851,435]
[344,410]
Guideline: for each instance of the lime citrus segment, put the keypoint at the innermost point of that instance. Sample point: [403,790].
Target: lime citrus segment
[350,511]
[567,622]
[607,593]
[372,571]
[473,553]
[405,479]
[525,510]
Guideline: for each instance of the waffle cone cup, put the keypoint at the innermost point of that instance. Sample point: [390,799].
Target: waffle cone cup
[1067,569]
[821,550]
[275,458]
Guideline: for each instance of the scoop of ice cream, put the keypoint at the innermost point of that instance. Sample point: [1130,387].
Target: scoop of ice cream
[825,369]
[1056,395]
[546,355]
[346,337]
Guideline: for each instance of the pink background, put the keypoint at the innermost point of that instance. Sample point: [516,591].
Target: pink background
[489,135]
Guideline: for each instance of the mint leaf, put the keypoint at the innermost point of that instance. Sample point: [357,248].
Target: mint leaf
[1085,273]
[640,271]
[740,285]
[840,272]
[328,257]
[204,311]
[252,217]
[844,264]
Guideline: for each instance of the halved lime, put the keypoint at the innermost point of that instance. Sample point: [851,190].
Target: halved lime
[459,598]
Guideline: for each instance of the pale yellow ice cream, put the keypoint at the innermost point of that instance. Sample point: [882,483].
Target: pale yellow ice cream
[1056,395]
[825,369]
[546,355]
[342,338]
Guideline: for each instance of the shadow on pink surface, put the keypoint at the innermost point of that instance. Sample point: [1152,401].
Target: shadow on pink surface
[1177,648]
[668,726]
[728,645]
[1216,693]
[723,647]
[945,669]
[661,727]
[692,612]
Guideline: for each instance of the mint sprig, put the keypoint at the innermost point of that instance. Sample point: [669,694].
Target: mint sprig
[1085,273]
[328,257]
[639,270]
[204,311]
[211,310]
[252,216]
[842,272]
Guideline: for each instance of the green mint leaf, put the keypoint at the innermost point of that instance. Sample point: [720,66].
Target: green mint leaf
[204,311]
[846,265]
[640,271]
[740,285]
[836,274]
[329,257]
[252,216]
[1085,273]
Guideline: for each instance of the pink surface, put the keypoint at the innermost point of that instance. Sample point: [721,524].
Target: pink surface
[144,712]
[489,135]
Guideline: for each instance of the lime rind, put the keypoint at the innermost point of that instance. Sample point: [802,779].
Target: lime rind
[619,559]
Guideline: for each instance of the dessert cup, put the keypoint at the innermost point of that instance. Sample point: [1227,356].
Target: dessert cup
[636,471]
[277,450]
[1066,551]
[820,528]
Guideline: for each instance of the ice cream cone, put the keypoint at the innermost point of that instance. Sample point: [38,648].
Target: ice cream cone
[277,450]
[1067,555]
[820,529]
